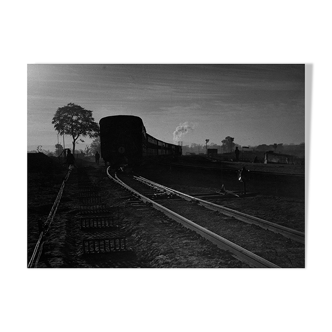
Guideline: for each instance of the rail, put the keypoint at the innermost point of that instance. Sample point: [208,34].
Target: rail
[40,243]
[222,243]
[285,231]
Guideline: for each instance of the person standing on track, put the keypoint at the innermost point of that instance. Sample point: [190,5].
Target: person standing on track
[70,159]
[97,157]
[244,177]
[237,153]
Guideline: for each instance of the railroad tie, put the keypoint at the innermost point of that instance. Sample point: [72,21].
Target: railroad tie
[100,246]
[93,200]
[98,223]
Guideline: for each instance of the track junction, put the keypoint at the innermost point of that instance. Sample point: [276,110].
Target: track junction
[130,221]
[164,199]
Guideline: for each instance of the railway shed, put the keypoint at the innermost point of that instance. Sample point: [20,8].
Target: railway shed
[271,157]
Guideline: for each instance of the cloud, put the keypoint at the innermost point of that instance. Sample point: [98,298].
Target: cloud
[182,129]
[181,109]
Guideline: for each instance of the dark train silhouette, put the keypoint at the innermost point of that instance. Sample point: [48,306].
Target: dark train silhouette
[124,141]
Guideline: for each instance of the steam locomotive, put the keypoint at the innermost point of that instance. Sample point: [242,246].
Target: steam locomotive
[124,141]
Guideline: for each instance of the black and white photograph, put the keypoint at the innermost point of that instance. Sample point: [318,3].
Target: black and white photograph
[166,165]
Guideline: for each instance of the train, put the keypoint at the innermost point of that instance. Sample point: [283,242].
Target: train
[125,142]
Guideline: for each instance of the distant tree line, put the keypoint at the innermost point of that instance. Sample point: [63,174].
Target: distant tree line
[228,146]
[88,151]
[75,121]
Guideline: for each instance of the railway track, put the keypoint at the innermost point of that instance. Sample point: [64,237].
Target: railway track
[86,232]
[103,237]
[240,253]
[38,249]
[285,231]
[90,232]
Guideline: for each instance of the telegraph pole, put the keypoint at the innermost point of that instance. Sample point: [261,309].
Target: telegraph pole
[206,142]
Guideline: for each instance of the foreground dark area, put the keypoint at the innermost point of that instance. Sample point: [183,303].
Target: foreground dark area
[152,241]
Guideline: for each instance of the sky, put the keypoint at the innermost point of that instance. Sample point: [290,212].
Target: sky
[255,104]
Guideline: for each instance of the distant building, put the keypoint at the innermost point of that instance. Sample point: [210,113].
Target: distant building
[271,157]
[212,152]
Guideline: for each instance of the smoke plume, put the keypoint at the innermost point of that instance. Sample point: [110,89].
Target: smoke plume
[181,130]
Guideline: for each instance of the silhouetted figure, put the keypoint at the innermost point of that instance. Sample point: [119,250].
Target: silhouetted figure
[123,163]
[70,159]
[237,153]
[244,177]
[97,157]
[223,190]
[255,160]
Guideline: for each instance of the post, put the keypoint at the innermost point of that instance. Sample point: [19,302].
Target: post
[206,142]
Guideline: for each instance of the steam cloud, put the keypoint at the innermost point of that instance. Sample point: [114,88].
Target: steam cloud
[181,130]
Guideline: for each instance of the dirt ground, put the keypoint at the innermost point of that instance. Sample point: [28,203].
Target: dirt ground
[275,199]
[44,181]
[152,240]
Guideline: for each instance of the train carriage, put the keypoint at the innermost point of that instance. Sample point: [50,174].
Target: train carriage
[124,141]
